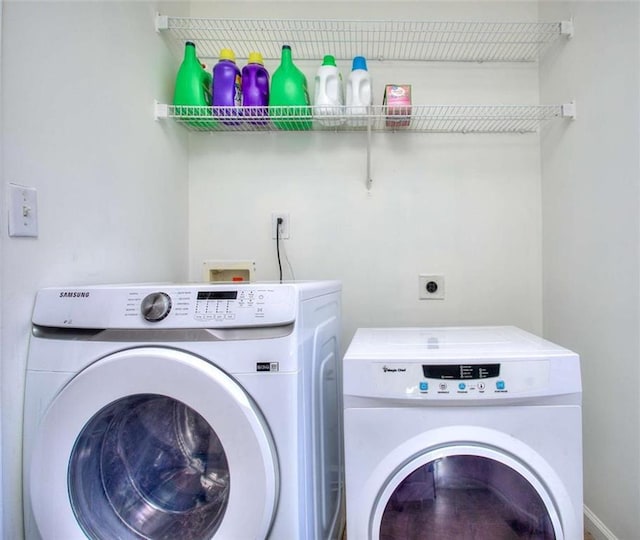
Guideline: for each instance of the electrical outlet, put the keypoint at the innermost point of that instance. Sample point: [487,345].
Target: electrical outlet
[430,287]
[285,227]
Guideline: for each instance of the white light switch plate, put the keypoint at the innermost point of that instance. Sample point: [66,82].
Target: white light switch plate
[23,211]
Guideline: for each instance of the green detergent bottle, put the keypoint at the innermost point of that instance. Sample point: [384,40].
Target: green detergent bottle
[288,99]
[193,89]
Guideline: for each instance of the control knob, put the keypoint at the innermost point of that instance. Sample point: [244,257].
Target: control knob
[155,306]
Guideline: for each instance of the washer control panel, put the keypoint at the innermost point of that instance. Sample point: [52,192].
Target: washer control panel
[227,305]
[208,307]
[174,306]
[212,307]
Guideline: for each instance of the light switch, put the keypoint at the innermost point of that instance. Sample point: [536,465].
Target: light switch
[23,211]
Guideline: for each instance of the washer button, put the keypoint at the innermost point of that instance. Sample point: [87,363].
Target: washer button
[424,386]
[500,385]
[462,386]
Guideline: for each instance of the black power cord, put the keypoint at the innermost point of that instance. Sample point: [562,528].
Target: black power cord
[278,225]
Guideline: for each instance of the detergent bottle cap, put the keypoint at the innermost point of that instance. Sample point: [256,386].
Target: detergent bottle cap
[255,58]
[359,62]
[227,54]
[329,60]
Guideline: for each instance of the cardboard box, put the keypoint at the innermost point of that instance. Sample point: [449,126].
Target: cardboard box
[397,99]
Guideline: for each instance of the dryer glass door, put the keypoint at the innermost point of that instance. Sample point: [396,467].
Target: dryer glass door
[465,495]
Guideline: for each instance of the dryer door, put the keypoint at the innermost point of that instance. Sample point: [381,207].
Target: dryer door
[465,492]
[153,443]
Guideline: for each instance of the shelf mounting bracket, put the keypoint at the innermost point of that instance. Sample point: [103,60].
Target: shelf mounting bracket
[162,22]
[369,179]
[566,28]
[569,110]
[160,110]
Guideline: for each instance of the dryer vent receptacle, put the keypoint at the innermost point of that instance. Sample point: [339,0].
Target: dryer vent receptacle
[430,287]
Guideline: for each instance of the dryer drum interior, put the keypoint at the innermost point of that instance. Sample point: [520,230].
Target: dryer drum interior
[465,496]
[148,466]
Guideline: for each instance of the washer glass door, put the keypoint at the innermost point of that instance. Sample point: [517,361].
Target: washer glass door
[476,494]
[151,466]
[153,443]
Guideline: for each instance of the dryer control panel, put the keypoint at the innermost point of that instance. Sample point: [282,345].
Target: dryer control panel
[451,382]
[459,381]
[455,366]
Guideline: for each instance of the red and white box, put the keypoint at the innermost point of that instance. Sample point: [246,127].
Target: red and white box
[397,99]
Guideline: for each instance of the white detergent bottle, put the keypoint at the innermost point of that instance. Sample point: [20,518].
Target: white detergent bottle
[329,94]
[358,93]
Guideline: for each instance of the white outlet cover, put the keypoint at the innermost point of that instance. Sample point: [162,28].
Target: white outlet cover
[23,211]
[285,228]
[424,293]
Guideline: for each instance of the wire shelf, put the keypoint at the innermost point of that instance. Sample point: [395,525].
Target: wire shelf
[421,118]
[376,40]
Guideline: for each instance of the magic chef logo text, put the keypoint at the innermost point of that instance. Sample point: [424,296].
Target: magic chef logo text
[74,294]
[387,369]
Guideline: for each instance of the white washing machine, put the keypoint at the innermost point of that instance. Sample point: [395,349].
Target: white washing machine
[462,433]
[184,411]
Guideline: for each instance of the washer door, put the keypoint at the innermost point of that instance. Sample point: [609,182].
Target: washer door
[153,443]
[467,492]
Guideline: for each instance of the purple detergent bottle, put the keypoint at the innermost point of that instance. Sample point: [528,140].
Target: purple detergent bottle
[255,89]
[227,93]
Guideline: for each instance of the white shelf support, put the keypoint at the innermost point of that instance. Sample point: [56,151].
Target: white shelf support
[369,179]
[162,22]
[566,28]
[569,110]
[160,110]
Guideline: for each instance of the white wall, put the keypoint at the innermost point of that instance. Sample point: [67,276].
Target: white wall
[2,206]
[466,206]
[117,192]
[591,244]
[79,80]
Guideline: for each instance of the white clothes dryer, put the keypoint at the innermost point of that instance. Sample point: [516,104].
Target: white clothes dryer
[184,411]
[462,433]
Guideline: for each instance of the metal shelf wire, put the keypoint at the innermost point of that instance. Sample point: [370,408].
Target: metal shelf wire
[376,40]
[422,118]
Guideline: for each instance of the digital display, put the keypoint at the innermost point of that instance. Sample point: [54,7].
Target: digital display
[461,371]
[217,295]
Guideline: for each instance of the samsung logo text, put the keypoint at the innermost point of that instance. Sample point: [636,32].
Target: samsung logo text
[74,294]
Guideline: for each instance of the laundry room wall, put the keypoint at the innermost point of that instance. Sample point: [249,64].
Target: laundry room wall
[463,206]
[591,245]
[78,84]
[2,205]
